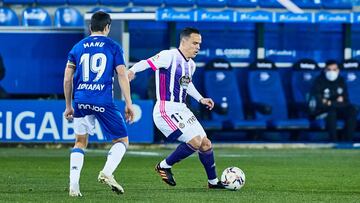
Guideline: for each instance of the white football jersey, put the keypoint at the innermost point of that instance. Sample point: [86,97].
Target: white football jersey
[173,74]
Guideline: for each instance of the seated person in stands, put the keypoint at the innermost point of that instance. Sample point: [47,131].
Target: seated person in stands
[329,98]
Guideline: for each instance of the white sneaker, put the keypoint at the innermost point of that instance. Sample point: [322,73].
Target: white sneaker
[74,191]
[110,181]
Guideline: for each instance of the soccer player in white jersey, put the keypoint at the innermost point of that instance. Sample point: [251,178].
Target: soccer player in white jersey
[173,76]
[89,74]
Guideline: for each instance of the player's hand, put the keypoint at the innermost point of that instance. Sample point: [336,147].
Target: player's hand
[129,113]
[69,114]
[131,75]
[209,103]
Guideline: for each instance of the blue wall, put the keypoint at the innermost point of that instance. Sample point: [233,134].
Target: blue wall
[35,61]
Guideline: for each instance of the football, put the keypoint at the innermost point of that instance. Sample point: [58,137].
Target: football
[233,178]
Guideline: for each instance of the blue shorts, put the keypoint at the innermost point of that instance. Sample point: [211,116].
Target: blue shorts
[109,117]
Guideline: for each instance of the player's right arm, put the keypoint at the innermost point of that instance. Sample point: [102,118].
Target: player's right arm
[160,60]
[68,88]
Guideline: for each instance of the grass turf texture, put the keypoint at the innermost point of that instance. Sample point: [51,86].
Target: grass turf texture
[272,175]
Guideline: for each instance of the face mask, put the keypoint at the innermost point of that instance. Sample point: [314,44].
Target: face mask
[332,75]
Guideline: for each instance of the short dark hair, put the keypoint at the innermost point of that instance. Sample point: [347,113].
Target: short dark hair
[331,62]
[186,32]
[99,20]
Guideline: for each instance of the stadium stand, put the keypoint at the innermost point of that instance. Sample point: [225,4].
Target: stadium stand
[68,16]
[133,9]
[184,3]
[266,91]
[36,16]
[211,3]
[302,76]
[351,72]
[51,2]
[83,2]
[147,2]
[242,3]
[105,9]
[337,4]
[310,4]
[269,4]
[19,1]
[114,2]
[8,17]
[221,86]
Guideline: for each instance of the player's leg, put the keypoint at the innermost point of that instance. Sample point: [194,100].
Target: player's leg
[115,155]
[206,156]
[76,164]
[114,129]
[183,151]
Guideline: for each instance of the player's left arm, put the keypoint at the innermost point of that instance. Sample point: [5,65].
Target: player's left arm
[192,91]
[68,90]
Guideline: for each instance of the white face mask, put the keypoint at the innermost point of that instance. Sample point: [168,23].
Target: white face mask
[332,75]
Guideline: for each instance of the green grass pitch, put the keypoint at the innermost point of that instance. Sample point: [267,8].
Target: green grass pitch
[272,175]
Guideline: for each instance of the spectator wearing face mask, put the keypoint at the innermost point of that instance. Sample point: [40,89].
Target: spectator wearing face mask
[329,99]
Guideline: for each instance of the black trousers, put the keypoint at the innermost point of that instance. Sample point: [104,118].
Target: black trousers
[348,113]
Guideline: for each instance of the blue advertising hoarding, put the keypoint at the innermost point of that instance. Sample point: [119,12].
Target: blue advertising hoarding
[39,121]
[289,17]
[256,16]
[168,14]
[326,17]
[216,16]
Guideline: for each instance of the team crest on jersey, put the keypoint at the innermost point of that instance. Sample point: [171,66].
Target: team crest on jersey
[181,125]
[184,81]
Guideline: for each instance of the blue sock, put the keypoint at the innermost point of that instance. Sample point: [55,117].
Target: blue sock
[181,152]
[207,159]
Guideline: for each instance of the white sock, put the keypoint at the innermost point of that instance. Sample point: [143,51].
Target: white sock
[213,181]
[76,164]
[163,164]
[114,157]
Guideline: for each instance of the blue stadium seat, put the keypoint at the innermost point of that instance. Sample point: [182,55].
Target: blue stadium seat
[269,4]
[147,2]
[183,3]
[104,9]
[242,3]
[303,74]
[221,85]
[311,4]
[211,3]
[67,16]
[36,16]
[8,17]
[82,2]
[115,2]
[337,4]
[51,2]
[134,9]
[18,1]
[265,89]
[351,74]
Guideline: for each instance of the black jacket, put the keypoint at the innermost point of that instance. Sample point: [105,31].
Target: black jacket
[322,89]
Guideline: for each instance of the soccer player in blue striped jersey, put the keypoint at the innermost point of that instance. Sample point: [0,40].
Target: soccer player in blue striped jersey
[173,77]
[89,75]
